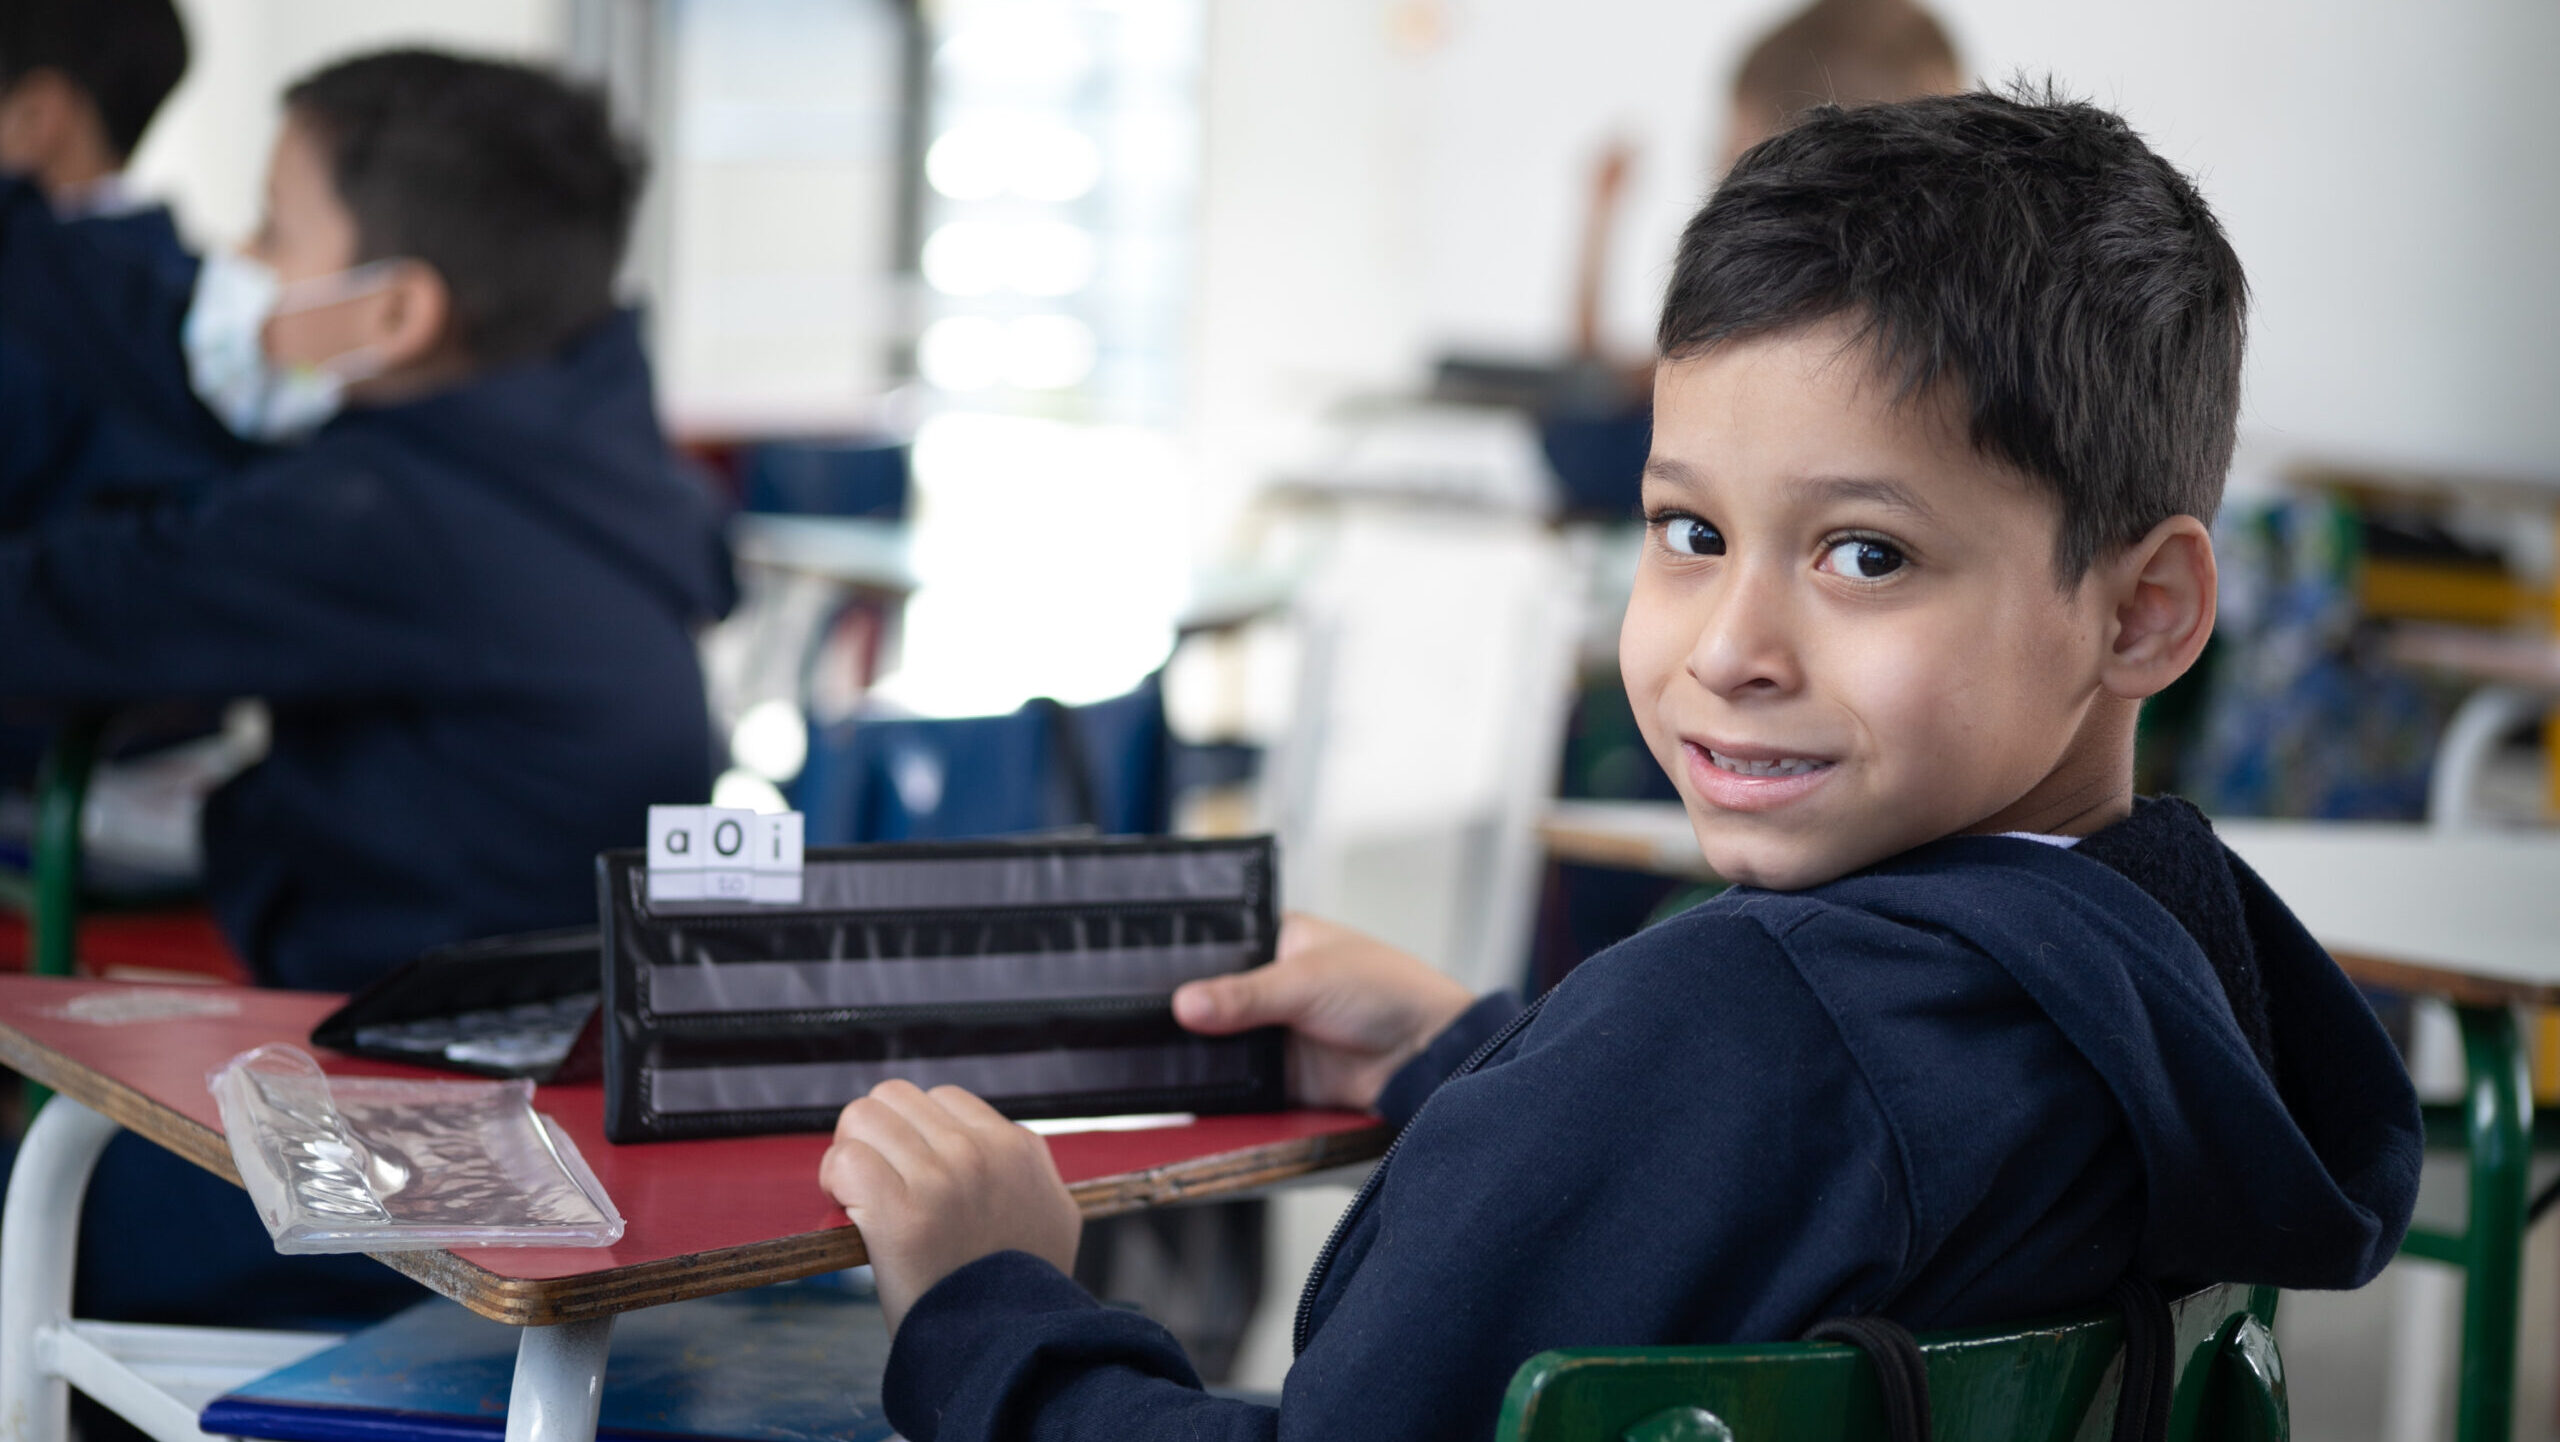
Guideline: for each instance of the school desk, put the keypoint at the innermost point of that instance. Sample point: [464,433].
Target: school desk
[1647,836]
[2472,918]
[702,1217]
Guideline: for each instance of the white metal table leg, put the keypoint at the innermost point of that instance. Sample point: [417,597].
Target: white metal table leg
[39,1243]
[559,1382]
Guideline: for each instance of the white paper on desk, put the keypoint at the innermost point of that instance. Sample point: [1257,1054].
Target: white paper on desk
[375,1164]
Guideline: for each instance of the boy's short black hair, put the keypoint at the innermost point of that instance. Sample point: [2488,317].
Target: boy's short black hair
[508,180]
[2030,251]
[127,54]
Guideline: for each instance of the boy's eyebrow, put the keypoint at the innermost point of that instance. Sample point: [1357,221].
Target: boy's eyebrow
[1875,489]
[1677,472]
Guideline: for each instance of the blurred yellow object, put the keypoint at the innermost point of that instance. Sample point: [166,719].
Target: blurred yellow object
[2551,719]
[2425,591]
[2546,1055]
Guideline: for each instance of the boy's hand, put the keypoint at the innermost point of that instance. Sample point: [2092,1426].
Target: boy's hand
[1356,1009]
[938,1179]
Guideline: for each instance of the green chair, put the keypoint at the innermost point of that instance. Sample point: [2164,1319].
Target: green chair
[2050,1383]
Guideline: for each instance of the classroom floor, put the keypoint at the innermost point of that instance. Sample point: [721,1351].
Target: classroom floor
[2338,1353]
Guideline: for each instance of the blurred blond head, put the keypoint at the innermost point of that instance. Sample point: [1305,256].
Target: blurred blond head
[1838,52]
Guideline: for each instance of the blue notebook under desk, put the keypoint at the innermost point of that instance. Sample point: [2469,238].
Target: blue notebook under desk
[797,1363]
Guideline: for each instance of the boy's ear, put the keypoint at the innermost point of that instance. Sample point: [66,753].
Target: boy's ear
[2160,592]
[415,316]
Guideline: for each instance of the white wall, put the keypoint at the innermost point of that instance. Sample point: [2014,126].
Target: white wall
[2390,174]
[207,152]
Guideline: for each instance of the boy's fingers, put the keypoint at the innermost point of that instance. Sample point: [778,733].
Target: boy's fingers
[886,1127]
[1221,1004]
[967,1108]
[858,1177]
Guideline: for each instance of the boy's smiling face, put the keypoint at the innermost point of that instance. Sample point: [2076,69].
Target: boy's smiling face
[1846,637]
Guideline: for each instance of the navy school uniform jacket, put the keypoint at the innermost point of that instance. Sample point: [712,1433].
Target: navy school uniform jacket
[472,617]
[94,403]
[1977,1083]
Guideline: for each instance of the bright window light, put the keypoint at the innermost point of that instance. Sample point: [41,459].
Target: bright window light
[968,257]
[1054,163]
[963,353]
[1049,258]
[1048,352]
[1083,614]
[771,740]
[1031,44]
[970,162]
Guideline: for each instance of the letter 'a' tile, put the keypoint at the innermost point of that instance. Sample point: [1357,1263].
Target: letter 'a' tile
[676,852]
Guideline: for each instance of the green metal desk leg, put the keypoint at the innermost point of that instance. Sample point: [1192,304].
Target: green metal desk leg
[62,785]
[2498,1113]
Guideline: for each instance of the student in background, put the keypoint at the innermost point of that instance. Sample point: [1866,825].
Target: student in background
[469,598]
[80,81]
[1832,52]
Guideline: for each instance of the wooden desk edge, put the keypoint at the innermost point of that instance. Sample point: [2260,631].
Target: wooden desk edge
[1592,846]
[547,1301]
[2460,988]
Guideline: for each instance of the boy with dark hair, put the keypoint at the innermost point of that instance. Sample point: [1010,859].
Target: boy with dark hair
[80,81]
[1948,391]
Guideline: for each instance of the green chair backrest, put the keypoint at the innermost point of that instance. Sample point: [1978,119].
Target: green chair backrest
[2046,1383]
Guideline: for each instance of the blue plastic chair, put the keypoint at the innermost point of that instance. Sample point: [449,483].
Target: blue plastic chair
[1045,767]
[827,478]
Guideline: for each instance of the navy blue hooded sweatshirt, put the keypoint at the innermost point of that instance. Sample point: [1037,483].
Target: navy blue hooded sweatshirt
[1977,1083]
[472,616]
[94,403]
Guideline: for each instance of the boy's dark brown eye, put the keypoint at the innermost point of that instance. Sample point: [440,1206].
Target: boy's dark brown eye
[1692,537]
[1863,559]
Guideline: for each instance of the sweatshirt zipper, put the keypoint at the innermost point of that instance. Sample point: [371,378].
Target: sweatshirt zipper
[1378,1174]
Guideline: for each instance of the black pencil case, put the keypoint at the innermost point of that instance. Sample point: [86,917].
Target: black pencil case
[505,1006]
[1036,973]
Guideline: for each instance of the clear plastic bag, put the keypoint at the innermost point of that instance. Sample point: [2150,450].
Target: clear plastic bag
[371,1164]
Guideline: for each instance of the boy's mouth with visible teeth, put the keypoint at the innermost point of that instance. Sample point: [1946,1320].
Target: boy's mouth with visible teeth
[1782,766]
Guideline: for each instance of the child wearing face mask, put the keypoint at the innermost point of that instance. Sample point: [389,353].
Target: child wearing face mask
[468,595]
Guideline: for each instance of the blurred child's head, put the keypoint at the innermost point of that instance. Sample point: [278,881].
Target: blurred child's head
[427,217]
[1838,52]
[1949,388]
[79,83]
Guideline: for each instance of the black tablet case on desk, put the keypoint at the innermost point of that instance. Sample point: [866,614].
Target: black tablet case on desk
[504,1006]
[1037,974]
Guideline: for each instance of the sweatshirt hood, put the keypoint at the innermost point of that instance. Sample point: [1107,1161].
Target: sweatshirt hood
[2278,1132]
[573,436]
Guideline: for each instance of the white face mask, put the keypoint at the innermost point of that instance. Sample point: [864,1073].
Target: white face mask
[227,360]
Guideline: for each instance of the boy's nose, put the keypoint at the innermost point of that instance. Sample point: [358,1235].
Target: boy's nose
[1745,642]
